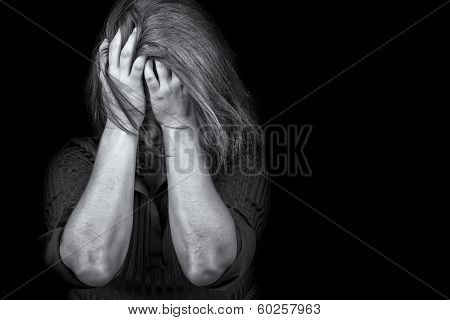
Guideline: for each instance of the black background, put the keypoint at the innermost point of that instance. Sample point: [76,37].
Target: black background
[378,149]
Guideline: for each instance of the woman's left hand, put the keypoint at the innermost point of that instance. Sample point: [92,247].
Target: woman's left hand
[171,102]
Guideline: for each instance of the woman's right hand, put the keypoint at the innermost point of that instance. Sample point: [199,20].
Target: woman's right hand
[127,77]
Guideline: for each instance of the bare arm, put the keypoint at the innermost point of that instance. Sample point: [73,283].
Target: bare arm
[203,230]
[96,238]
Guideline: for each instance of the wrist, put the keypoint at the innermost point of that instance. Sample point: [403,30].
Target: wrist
[117,134]
[180,122]
[126,128]
[186,134]
[181,141]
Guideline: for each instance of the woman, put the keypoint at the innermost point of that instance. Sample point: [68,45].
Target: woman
[161,204]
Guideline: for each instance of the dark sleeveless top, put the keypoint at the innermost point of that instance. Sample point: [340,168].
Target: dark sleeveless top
[151,269]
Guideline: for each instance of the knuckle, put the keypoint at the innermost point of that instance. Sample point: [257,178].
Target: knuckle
[160,94]
[113,45]
[125,54]
[138,67]
[163,91]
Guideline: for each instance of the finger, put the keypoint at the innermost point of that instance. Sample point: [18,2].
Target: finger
[175,82]
[114,51]
[138,67]
[103,55]
[163,74]
[127,54]
[150,78]
[106,90]
[103,59]
[103,51]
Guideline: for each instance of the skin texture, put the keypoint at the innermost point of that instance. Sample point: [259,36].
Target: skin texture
[96,238]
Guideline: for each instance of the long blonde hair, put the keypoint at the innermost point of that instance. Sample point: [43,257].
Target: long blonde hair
[180,34]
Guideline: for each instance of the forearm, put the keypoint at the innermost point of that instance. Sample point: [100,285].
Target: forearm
[203,230]
[96,238]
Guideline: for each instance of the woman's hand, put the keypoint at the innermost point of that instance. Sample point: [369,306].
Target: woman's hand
[171,103]
[127,77]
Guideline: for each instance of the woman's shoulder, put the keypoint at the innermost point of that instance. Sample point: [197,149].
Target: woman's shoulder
[67,175]
[247,182]
[76,152]
[87,145]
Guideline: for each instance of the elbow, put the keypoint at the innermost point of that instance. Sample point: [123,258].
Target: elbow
[205,272]
[90,269]
[94,275]
[202,275]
